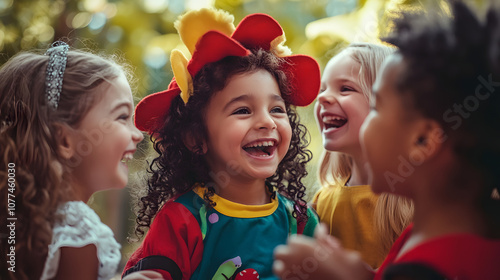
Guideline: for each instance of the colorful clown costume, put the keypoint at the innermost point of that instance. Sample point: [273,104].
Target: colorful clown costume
[190,240]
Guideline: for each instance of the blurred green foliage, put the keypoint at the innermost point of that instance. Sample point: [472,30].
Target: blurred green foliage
[143,32]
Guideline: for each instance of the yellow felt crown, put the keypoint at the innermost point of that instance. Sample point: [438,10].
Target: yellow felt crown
[191,27]
[210,35]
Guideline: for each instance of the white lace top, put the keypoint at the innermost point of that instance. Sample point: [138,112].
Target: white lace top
[80,227]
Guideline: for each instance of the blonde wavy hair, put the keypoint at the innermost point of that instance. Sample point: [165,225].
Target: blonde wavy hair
[392,213]
[29,142]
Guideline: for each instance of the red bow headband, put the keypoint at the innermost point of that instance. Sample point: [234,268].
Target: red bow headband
[254,31]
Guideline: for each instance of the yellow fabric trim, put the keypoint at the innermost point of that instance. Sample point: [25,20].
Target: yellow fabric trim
[237,210]
[278,47]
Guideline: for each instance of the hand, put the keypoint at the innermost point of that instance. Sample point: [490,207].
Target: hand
[320,258]
[144,275]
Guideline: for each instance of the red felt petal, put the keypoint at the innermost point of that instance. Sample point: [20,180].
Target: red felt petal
[152,109]
[304,74]
[254,31]
[257,31]
[211,47]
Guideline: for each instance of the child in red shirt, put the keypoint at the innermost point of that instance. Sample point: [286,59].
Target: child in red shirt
[432,136]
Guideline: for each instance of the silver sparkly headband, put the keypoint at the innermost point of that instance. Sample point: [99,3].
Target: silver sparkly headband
[55,71]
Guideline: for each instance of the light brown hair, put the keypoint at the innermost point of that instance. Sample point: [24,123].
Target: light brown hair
[29,142]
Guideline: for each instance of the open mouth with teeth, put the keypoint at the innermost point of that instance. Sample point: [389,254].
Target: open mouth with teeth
[127,157]
[334,122]
[260,148]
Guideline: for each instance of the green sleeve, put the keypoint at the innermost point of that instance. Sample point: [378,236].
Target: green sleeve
[312,222]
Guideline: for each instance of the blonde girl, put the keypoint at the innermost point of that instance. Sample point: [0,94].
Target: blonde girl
[361,220]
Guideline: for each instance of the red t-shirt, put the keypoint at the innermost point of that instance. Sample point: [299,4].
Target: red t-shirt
[455,256]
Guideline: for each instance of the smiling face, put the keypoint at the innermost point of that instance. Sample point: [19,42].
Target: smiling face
[248,128]
[105,139]
[341,106]
[386,135]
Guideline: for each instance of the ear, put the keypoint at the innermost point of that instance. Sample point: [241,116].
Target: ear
[427,141]
[66,141]
[194,144]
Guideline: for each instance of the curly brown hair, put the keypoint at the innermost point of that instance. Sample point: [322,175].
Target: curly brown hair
[177,169]
[29,141]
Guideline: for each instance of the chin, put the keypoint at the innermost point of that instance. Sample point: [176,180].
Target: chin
[262,174]
[123,184]
[119,183]
[379,187]
[334,145]
[375,190]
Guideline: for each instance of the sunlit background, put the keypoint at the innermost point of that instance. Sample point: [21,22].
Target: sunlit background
[142,32]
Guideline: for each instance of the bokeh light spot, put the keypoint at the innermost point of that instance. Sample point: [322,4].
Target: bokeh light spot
[155,57]
[81,20]
[114,34]
[98,21]
[155,6]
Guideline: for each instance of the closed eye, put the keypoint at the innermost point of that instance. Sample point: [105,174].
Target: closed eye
[124,117]
[346,88]
[278,109]
[241,111]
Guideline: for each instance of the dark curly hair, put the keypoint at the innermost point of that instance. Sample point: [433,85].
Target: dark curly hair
[177,169]
[452,75]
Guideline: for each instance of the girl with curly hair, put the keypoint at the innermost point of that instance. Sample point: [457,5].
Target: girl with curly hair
[65,131]
[226,184]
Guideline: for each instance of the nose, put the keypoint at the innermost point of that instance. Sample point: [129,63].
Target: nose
[326,98]
[137,135]
[265,121]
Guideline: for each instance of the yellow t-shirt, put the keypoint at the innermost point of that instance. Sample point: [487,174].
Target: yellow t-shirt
[349,214]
